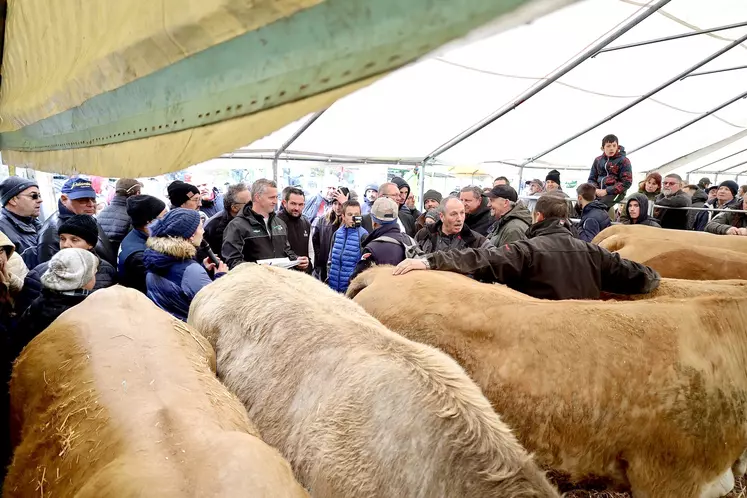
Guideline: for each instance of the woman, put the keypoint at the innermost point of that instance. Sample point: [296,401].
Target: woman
[322,232]
[650,188]
[173,277]
[79,231]
[346,248]
[637,210]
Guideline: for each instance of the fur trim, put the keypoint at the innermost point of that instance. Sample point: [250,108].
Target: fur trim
[173,246]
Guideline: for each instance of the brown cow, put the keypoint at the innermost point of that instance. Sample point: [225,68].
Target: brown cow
[358,410]
[687,238]
[649,394]
[682,288]
[118,399]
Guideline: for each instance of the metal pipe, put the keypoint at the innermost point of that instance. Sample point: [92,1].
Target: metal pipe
[640,99]
[714,71]
[292,139]
[331,160]
[672,37]
[718,160]
[421,182]
[691,122]
[554,76]
[727,172]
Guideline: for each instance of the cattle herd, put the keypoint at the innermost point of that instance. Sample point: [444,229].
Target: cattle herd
[416,386]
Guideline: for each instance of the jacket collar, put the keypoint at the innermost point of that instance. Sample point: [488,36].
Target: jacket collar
[254,217]
[595,204]
[172,246]
[465,234]
[63,212]
[550,227]
[26,224]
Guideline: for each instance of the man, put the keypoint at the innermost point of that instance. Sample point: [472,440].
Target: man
[477,208]
[729,222]
[450,232]
[256,232]
[369,196]
[405,215]
[536,187]
[551,264]
[552,182]
[390,191]
[594,216]
[431,200]
[611,173]
[698,198]
[319,204]
[184,195]
[704,183]
[386,245]
[142,210]
[19,219]
[299,228]
[672,196]
[501,180]
[512,216]
[77,197]
[211,200]
[237,196]
[114,219]
[726,198]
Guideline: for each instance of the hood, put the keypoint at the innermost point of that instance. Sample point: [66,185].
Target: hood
[620,153]
[371,186]
[596,204]
[549,227]
[6,244]
[700,195]
[400,183]
[162,252]
[518,212]
[643,202]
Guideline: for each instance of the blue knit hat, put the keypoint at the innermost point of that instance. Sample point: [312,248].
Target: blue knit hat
[178,222]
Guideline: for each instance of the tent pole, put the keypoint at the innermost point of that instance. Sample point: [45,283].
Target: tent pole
[292,139]
[554,76]
[691,122]
[421,181]
[714,71]
[640,99]
[719,160]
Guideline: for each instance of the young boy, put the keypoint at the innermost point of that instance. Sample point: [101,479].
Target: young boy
[611,173]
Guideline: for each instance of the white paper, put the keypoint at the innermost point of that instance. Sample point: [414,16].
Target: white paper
[279,262]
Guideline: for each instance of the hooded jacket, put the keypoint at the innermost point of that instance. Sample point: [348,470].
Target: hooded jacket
[551,264]
[481,220]
[594,219]
[366,205]
[675,219]
[405,215]
[643,218]
[432,239]
[49,240]
[512,226]
[613,174]
[173,277]
[246,238]
[346,251]
[376,252]
[650,196]
[115,221]
[23,232]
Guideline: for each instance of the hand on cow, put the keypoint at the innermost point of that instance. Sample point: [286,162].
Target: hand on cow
[732,231]
[601,192]
[409,265]
[303,262]
[743,231]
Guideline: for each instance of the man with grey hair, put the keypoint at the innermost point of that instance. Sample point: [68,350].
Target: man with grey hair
[450,232]
[390,191]
[477,209]
[256,233]
[236,197]
[672,196]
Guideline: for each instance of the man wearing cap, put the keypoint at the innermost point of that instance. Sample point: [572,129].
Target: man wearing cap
[142,210]
[386,244]
[77,197]
[726,198]
[114,219]
[184,195]
[21,201]
[513,219]
[431,200]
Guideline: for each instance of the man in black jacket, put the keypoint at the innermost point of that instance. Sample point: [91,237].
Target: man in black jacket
[77,197]
[672,196]
[477,206]
[114,219]
[142,209]
[551,264]
[299,228]
[256,233]
[21,203]
[237,196]
[405,214]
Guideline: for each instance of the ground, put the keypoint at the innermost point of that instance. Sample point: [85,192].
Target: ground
[740,491]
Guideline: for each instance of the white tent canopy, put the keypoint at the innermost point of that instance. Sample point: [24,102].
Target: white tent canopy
[413,111]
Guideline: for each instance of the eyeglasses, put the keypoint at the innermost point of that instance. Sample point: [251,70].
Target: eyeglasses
[670,183]
[34,196]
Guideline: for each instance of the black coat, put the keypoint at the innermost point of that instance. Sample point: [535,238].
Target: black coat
[49,239]
[432,239]
[214,229]
[24,233]
[115,221]
[322,233]
[673,218]
[246,239]
[551,264]
[481,220]
[299,232]
[376,252]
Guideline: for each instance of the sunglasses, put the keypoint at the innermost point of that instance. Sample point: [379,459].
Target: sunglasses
[35,196]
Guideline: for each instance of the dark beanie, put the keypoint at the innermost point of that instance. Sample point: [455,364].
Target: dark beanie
[178,222]
[12,186]
[142,209]
[731,185]
[432,194]
[553,175]
[83,226]
[179,191]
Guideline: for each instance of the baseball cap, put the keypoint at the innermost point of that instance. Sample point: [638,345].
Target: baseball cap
[384,211]
[503,192]
[127,186]
[78,188]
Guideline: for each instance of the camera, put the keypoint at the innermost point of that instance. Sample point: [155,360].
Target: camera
[357,221]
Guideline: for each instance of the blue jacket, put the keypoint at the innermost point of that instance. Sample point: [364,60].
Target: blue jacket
[594,219]
[211,208]
[312,207]
[345,253]
[130,265]
[24,233]
[115,221]
[173,277]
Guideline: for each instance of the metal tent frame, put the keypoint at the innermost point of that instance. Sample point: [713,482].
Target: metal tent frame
[597,48]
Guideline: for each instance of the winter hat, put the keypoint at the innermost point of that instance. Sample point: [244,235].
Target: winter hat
[731,185]
[503,192]
[178,222]
[553,175]
[373,187]
[433,215]
[384,211]
[142,209]
[712,187]
[433,195]
[178,192]
[537,181]
[70,269]
[127,186]
[12,186]
[656,177]
[83,226]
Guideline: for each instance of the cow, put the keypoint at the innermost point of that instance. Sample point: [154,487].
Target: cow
[650,395]
[682,289]
[622,234]
[118,399]
[358,410]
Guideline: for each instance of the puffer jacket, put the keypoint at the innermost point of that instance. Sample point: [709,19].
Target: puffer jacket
[720,224]
[24,233]
[432,239]
[512,226]
[594,219]
[701,217]
[613,174]
[173,277]
[49,240]
[106,276]
[115,221]
[346,251]
[643,218]
[246,239]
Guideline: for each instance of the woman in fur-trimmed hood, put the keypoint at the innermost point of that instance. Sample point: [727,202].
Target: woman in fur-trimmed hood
[173,277]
